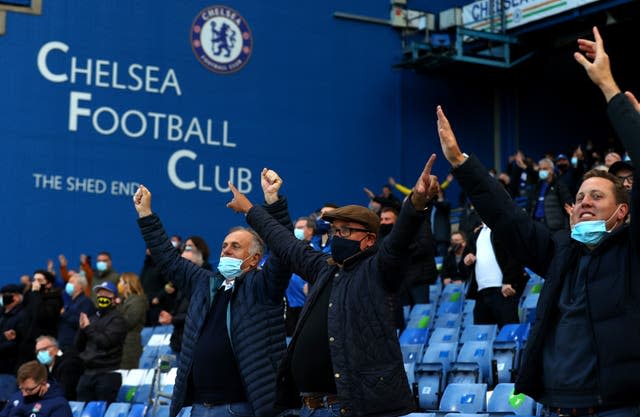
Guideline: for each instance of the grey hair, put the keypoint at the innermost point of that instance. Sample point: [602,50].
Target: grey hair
[51,339]
[81,280]
[257,245]
[548,161]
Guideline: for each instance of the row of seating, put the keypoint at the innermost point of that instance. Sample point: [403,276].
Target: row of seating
[141,385]
[474,398]
[121,409]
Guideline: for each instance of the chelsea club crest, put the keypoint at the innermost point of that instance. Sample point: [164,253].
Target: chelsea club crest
[221,39]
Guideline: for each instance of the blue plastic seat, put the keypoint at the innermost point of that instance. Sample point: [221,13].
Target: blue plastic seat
[76,408]
[411,353]
[94,409]
[149,357]
[464,398]
[479,332]
[184,412]
[145,335]
[431,373]
[144,391]
[117,410]
[503,400]
[161,411]
[469,305]
[444,335]
[410,370]
[420,310]
[137,410]
[413,336]
[473,363]
[449,320]
[528,308]
[449,307]
[507,349]
[164,330]
[130,385]
[518,333]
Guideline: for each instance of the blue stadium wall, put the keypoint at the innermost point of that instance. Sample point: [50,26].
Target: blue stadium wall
[318,100]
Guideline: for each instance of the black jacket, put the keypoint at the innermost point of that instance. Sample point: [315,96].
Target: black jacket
[612,287]
[457,271]
[66,371]
[556,196]
[257,331]
[365,352]
[100,343]
[9,352]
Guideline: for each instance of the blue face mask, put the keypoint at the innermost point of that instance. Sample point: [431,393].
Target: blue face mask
[543,174]
[299,234]
[591,232]
[44,357]
[574,161]
[231,267]
[101,266]
[69,288]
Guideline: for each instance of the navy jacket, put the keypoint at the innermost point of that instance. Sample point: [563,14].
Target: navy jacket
[612,285]
[9,349]
[70,319]
[365,353]
[53,404]
[257,330]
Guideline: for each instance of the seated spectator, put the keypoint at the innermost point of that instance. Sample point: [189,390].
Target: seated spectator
[70,318]
[64,368]
[134,310]
[100,340]
[36,397]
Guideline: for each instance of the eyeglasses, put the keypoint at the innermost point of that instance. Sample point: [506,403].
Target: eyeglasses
[42,349]
[30,391]
[626,178]
[346,231]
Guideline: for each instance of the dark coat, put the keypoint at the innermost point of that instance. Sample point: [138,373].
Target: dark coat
[612,288]
[53,404]
[257,331]
[68,324]
[457,271]
[365,352]
[66,371]
[100,343]
[556,196]
[9,353]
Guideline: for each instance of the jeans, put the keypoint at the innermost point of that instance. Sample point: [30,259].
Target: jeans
[631,411]
[330,411]
[222,410]
[99,387]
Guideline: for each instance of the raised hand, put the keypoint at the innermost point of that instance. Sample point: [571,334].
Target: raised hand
[426,187]
[239,203]
[448,141]
[142,201]
[271,183]
[595,61]
[369,193]
[62,260]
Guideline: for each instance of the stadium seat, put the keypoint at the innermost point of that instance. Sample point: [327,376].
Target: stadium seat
[160,411]
[137,410]
[411,353]
[503,400]
[528,308]
[507,349]
[449,320]
[473,363]
[444,335]
[130,384]
[163,330]
[94,409]
[410,370]
[76,408]
[421,415]
[420,310]
[184,412]
[413,336]
[149,357]
[464,398]
[144,392]
[479,332]
[145,335]
[117,410]
[431,373]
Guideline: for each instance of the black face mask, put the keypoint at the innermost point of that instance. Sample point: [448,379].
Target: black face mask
[385,229]
[7,299]
[31,398]
[455,247]
[342,249]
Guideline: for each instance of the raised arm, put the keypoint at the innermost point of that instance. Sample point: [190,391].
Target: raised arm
[529,241]
[182,271]
[301,258]
[622,109]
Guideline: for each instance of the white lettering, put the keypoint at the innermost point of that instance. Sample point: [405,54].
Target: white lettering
[75,110]
[172,172]
[42,61]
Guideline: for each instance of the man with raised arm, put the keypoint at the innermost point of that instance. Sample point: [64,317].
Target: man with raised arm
[582,356]
[344,357]
[234,334]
